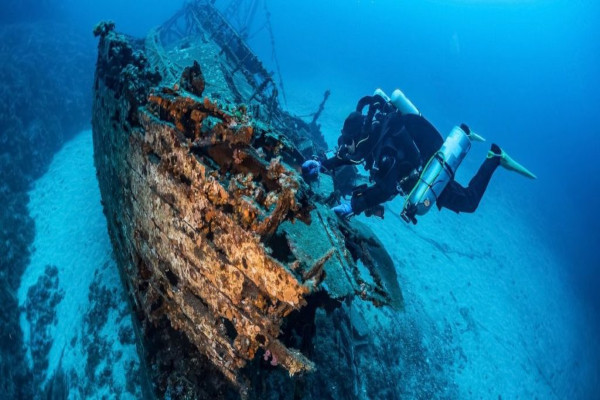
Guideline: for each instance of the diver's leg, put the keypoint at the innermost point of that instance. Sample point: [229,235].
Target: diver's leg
[460,199]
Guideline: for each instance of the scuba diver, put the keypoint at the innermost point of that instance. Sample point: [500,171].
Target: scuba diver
[406,155]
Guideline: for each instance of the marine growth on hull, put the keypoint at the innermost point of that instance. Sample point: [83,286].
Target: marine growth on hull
[225,251]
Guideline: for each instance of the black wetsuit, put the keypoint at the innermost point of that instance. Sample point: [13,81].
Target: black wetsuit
[363,154]
[402,146]
[356,145]
[457,198]
[454,197]
[395,157]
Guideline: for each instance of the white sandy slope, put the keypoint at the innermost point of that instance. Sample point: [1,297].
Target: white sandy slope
[71,234]
[490,278]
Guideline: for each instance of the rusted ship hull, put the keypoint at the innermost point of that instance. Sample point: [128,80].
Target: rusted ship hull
[218,239]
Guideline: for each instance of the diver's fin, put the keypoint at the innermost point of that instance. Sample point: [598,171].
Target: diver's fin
[472,135]
[475,137]
[509,163]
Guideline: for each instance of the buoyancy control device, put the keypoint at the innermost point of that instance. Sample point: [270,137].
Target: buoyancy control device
[437,173]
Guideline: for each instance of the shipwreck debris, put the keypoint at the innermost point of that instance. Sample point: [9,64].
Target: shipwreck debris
[213,227]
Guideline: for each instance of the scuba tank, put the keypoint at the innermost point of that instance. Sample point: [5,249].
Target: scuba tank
[437,173]
[399,101]
[379,92]
[403,104]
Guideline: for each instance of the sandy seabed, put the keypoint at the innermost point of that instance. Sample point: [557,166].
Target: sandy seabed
[71,234]
[486,285]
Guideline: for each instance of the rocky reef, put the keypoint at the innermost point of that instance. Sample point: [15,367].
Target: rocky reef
[230,259]
[44,100]
[42,299]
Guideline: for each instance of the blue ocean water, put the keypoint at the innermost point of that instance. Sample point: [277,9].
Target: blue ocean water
[524,73]
[521,73]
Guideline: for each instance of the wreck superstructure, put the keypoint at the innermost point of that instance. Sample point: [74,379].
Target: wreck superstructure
[213,227]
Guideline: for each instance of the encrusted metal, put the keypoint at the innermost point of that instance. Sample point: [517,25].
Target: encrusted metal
[212,225]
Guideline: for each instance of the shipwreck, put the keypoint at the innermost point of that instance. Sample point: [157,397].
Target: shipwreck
[224,250]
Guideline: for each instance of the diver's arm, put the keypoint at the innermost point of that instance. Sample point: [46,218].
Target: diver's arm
[340,158]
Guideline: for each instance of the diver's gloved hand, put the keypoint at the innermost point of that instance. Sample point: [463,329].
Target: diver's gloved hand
[311,168]
[344,210]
